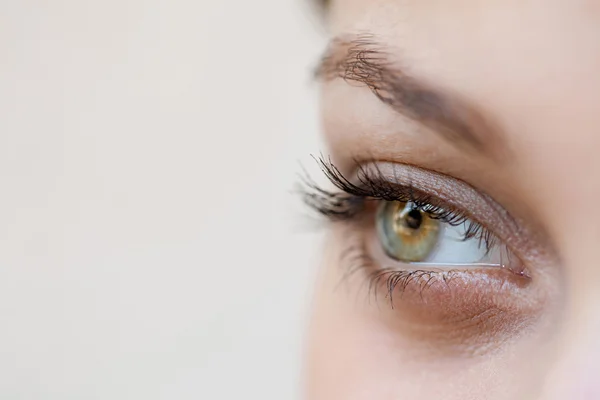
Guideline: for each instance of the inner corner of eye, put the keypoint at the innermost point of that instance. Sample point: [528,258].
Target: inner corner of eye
[409,234]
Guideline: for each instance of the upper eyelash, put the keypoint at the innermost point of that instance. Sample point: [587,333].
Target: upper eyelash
[373,185]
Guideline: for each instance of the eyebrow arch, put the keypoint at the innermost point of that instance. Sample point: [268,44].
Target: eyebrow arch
[362,59]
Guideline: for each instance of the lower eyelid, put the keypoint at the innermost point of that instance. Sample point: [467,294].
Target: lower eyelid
[458,312]
[364,253]
[428,284]
[441,305]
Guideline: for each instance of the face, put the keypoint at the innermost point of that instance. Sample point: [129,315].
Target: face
[463,141]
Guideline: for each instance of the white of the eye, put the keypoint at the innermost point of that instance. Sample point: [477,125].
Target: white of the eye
[453,249]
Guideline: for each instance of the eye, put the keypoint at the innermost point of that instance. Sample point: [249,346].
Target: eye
[408,233]
[444,256]
[423,220]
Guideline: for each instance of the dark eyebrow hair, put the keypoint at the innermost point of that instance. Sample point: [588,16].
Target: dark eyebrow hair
[362,59]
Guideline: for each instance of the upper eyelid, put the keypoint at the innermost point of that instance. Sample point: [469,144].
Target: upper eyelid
[432,184]
[374,188]
[449,190]
[444,190]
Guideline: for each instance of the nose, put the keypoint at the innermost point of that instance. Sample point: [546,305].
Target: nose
[575,374]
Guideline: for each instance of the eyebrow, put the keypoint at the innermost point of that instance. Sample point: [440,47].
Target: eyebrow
[362,59]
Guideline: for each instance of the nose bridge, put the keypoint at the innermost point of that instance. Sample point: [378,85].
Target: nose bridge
[575,373]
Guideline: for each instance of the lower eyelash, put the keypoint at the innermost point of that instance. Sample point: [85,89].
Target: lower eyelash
[400,280]
[355,258]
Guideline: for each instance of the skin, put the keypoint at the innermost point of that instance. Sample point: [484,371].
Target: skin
[531,67]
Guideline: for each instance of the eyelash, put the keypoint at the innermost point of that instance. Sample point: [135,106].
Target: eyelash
[348,203]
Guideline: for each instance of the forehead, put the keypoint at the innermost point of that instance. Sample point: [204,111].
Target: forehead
[533,65]
[478,46]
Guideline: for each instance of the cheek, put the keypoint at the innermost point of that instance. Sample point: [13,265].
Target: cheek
[349,357]
[355,353]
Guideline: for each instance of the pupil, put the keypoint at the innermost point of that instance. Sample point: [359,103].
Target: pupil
[414,219]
